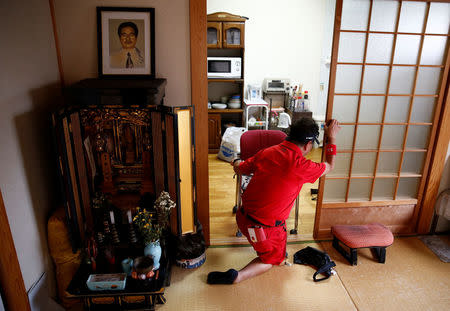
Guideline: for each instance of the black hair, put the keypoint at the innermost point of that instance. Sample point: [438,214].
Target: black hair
[303,131]
[127,24]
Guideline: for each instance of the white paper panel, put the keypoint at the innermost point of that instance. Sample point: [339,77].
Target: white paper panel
[367,137]
[355,14]
[384,15]
[351,47]
[345,138]
[428,80]
[379,48]
[407,188]
[407,49]
[384,189]
[423,109]
[388,163]
[371,109]
[375,79]
[439,18]
[341,166]
[348,78]
[413,162]
[412,17]
[344,108]
[397,109]
[418,137]
[402,80]
[363,163]
[433,51]
[393,136]
[334,190]
[360,189]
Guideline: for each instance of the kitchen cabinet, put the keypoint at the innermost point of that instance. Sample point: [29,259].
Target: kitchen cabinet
[214,132]
[214,35]
[225,38]
[227,35]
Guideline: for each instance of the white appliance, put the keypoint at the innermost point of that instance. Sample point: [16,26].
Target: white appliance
[225,67]
[254,92]
[276,85]
[284,120]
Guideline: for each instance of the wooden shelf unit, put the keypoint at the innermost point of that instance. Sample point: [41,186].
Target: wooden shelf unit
[225,37]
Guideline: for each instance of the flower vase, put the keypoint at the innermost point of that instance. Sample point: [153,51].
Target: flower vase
[153,249]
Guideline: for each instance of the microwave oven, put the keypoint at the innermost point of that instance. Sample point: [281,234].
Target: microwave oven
[276,85]
[225,67]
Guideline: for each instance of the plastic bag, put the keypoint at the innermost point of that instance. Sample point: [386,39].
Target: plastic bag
[230,146]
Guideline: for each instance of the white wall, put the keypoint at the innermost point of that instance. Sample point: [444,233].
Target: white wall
[77,32]
[29,84]
[283,39]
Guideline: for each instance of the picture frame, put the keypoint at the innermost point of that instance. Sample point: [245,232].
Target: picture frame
[126,42]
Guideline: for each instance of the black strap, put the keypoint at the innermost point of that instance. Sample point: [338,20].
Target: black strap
[323,269]
[278,223]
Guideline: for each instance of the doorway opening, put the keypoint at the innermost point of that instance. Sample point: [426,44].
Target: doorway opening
[298,51]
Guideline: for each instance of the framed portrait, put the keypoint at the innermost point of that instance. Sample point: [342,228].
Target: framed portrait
[126,42]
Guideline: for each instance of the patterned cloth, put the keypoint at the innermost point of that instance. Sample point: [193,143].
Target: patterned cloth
[357,236]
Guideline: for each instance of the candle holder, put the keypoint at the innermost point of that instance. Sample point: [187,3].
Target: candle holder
[114,235]
[106,228]
[132,234]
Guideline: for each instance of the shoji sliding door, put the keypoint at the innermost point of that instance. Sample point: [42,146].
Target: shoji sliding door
[388,78]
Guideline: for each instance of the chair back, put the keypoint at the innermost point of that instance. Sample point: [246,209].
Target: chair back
[256,140]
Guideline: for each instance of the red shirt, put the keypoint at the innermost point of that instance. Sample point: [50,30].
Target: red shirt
[279,173]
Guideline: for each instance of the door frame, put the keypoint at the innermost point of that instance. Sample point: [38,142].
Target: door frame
[198,49]
[14,294]
[199,98]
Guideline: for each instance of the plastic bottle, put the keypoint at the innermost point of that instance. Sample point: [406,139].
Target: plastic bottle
[298,104]
[306,106]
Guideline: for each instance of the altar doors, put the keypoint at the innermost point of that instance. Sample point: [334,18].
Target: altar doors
[388,87]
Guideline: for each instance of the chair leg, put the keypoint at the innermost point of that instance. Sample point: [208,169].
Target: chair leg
[381,254]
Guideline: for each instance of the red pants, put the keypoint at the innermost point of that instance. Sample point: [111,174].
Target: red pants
[273,249]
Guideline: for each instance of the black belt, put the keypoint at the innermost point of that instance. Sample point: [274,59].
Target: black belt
[278,223]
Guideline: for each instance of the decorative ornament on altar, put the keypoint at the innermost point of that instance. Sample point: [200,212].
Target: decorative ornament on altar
[163,206]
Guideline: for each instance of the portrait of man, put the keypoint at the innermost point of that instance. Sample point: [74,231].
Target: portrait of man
[128,55]
[126,41]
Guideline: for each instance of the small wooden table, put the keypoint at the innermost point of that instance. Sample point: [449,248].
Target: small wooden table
[137,293]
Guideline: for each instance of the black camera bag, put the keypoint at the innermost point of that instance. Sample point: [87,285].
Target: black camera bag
[314,257]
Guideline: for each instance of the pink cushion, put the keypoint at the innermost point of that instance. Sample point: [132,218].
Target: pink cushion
[370,235]
[256,140]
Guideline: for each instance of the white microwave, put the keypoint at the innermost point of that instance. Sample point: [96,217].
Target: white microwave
[225,67]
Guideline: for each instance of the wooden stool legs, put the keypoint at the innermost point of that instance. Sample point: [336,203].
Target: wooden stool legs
[352,255]
[381,254]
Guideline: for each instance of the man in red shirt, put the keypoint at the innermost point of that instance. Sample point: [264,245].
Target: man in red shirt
[279,173]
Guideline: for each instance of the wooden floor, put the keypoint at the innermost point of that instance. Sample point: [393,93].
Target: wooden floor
[222,189]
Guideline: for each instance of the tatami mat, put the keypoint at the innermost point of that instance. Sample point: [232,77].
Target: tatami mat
[282,288]
[413,278]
